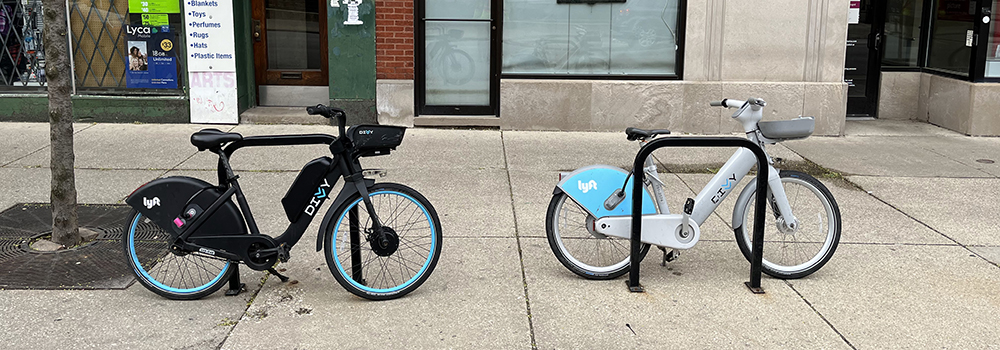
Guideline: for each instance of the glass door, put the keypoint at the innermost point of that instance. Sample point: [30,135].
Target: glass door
[863,67]
[455,74]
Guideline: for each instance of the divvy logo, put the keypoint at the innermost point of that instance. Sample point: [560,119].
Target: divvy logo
[150,203]
[586,186]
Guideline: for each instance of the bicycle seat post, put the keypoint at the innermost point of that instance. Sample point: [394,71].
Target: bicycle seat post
[228,178]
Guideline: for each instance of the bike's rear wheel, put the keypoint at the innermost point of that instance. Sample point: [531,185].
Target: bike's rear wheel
[790,254]
[586,253]
[169,273]
[377,271]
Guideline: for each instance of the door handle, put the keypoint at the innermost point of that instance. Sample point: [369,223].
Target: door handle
[878,41]
[256,30]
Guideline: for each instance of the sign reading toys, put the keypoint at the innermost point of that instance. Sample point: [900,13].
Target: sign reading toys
[151,57]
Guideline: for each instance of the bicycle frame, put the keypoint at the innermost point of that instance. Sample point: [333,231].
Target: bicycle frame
[234,247]
[722,185]
[609,207]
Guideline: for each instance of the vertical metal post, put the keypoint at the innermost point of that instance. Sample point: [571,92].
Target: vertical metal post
[69,36]
[760,205]
[757,254]
[356,268]
[636,237]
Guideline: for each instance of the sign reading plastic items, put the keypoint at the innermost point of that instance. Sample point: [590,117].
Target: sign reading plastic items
[152,63]
[211,61]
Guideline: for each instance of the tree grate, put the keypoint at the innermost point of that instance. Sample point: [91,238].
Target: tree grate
[99,264]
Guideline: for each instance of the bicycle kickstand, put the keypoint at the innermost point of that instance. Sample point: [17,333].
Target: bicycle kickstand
[272,271]
[668,256]
[235,287]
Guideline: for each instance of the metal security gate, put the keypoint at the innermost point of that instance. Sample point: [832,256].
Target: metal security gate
[22,60]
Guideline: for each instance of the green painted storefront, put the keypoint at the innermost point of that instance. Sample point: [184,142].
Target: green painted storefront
[351,62]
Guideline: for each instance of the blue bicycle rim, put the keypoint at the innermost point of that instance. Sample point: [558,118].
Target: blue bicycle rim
[148,278]
[423,269]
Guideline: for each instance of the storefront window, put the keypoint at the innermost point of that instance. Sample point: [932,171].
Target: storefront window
[551,38]
[457,54]
[950,43]
[115,46]
[902,33]
[22,61]
[993,50]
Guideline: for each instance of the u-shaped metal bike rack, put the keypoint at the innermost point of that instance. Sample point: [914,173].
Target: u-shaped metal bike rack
[761,203]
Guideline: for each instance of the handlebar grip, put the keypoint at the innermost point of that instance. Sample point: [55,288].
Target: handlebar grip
[717,103]
[318,109]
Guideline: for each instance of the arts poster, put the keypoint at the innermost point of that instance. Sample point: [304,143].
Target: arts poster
[151,57]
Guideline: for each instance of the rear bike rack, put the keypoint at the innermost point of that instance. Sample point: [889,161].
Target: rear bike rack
[760,205]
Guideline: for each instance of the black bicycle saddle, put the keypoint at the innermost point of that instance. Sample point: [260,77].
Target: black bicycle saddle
[640,134]
[211,138]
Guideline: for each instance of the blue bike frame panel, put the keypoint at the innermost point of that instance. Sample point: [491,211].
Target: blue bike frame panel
[591,186]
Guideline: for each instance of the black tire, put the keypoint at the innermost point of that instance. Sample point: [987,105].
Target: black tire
[563,231]
[411,218]
[806,196]
[179,276]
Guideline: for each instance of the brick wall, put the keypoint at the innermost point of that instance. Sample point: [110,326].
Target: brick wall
[394,39]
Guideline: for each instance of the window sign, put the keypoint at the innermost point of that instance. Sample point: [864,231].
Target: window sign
[155,20]
[211,61]
[152,62]
[854,12]
[154,6]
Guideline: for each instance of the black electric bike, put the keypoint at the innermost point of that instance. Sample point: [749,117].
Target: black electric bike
[186,238]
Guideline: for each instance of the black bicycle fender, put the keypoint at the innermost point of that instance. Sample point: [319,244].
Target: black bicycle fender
[346,192]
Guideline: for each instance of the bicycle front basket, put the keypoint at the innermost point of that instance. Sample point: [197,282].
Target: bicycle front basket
[375,140]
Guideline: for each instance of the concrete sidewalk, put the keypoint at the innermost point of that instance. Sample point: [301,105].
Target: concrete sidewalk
[917,266]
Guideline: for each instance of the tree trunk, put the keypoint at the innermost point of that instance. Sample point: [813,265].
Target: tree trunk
[65,228]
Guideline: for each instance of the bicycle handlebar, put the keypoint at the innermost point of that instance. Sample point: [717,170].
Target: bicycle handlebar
[730,103]
[330,112]
[325,111]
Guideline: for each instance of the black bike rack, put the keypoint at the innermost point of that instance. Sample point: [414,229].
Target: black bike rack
[637,187]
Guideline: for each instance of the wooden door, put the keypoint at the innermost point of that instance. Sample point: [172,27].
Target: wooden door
[290,46]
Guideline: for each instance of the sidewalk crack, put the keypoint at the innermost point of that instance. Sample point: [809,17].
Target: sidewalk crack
[517,237]
[821,316]
[973,252]
[47,146]
[244,314]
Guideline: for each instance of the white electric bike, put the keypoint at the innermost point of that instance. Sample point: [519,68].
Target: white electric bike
[588,222]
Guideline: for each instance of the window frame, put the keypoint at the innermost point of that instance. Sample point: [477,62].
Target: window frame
[677,75]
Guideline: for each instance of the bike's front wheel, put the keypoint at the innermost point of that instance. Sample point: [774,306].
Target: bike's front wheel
[169,272]
[792,252]
[387,264]
[569,228]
